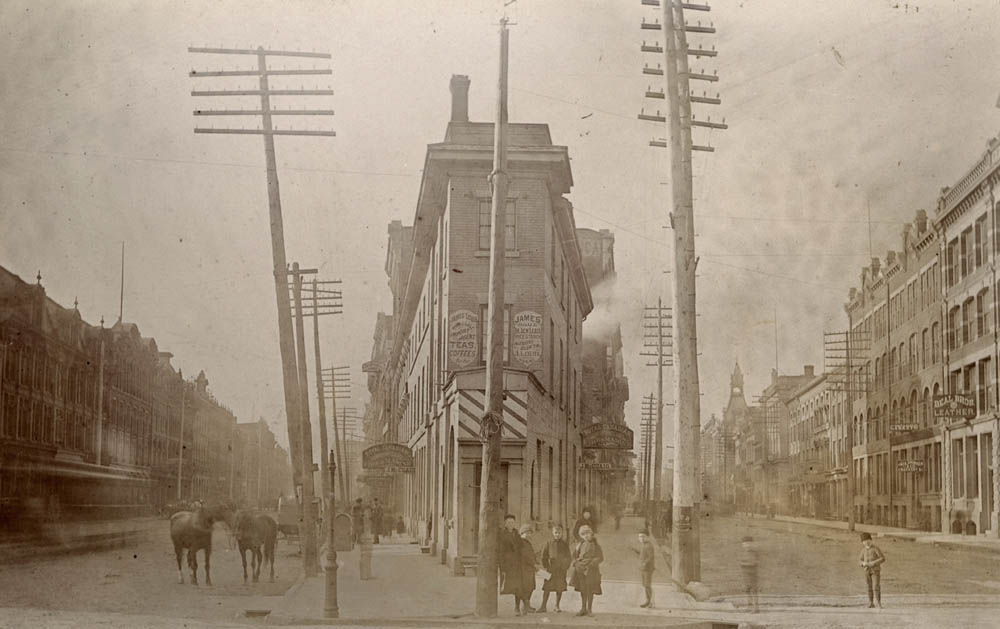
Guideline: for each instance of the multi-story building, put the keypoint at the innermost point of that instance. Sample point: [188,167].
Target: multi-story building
[604,388]
[967,226]
[895,319]
[762,446]
[90,417]
[434,373]
[264,469]
[811,410]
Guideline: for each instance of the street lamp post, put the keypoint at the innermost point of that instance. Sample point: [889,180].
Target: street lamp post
[330,607]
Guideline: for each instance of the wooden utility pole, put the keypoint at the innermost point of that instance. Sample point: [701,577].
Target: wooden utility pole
[339,384]
[685,541]
[307,530]
[648,426]
[301,467]
[330,304]
[99,437]
[491,428]
[657,336]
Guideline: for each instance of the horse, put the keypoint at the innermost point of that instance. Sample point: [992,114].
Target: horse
[254,531]
[192,531]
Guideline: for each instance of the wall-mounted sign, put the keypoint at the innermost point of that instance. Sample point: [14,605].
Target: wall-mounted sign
[387,458]
[607,436]
[463,338]
[910,466]
[903,427]
[527,346]
[955,406]
[375,480]
[602,467]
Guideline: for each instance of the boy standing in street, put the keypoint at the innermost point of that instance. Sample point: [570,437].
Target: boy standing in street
[871,560]
[647,564]
[749,562]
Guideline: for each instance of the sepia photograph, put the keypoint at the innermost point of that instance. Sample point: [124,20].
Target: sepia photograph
[478,314]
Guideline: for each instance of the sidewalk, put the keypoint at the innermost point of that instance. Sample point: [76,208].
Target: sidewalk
[410,587]
[975,542]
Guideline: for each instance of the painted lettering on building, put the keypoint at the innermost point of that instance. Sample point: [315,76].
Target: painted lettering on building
[463,338]
[527,347]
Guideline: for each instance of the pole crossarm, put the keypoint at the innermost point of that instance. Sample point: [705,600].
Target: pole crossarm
[260,112]
[260,51]
[285,92]
[218,73]
[265,132]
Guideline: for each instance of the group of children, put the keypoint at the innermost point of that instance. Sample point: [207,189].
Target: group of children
[577,566]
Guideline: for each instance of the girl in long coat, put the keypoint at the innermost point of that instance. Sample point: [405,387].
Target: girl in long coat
[586,570]
[523,572]
[556,558]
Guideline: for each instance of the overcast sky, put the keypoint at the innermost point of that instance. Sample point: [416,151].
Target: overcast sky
[831,106]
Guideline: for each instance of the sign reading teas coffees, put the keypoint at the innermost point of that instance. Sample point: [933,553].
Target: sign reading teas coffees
[607,436]
[387,458]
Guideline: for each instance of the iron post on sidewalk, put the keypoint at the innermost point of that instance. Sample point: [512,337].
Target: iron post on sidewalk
[330,607]
[366,547]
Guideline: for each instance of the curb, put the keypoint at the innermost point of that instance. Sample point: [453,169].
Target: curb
[472,622]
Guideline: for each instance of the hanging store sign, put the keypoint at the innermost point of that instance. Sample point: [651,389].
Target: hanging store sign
[375,480]
[910,466]
[527,345]
[602,466]
[387,458]
[607,437]
[954,406]
[463,338]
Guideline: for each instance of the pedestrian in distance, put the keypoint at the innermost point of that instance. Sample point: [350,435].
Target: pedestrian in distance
[556,558]
[647,564]
[508,543]
[400,526]
[749,563]
[586,570]
[586,519]
[357,519]
[872,559]
[376,522]
[523,572]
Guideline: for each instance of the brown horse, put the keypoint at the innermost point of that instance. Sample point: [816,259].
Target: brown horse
[192,531]
[253,532]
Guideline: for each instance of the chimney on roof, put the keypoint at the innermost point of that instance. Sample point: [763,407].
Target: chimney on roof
[876,264]
[809,370]
[921,221]
[459,98]
[890,258]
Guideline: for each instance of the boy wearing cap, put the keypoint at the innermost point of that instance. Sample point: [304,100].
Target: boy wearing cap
[524,572]
[872,559]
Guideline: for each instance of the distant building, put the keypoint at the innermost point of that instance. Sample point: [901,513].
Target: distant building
[89,451]
[604,386]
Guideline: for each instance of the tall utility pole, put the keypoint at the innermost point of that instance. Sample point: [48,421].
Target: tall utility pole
[337,383]
[492,423]
[686,554]
[841,352]
[657,336]
[648,427]
[307,530]
[326,303]
[301,467]
[99,436]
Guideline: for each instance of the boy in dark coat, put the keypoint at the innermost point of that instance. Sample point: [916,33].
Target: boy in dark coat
[556,558]
[647,564]
[586,570]
[749,562]
[872,560]
[523,573]
[507,547]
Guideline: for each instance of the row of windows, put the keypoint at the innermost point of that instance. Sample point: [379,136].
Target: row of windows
[968,252]
[873,474]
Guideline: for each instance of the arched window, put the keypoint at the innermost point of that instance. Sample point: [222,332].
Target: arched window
[937,391]
[925,408]
[935,342]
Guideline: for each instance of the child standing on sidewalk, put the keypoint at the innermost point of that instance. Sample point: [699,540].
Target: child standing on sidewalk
[871,560]
[556,558]
[647,564]
[749,563]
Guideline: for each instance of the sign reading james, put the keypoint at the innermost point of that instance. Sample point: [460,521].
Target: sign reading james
[607,436]
[463,338]
[387,458]
[955,406]
[527,337]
